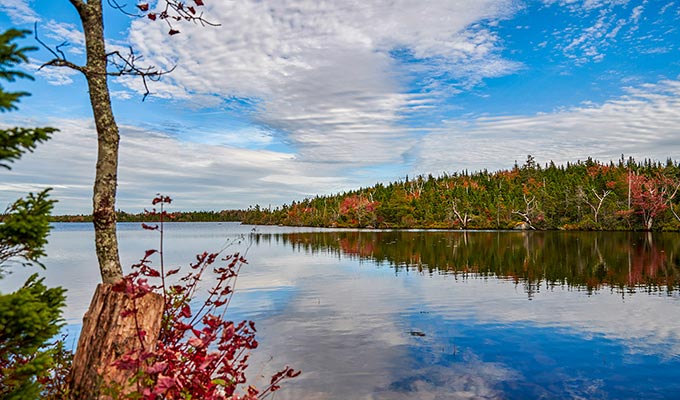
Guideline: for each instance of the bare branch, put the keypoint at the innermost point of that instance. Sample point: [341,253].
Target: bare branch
[59,59]
[464,219]
[122,65]
[58,62]
[127,65]
[527,215]
[122,8]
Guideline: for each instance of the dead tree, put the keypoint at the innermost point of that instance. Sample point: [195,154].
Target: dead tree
[594,206]
[463,217]
[529,210]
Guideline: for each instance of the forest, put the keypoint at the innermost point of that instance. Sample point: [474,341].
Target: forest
[584,195]
[179,216]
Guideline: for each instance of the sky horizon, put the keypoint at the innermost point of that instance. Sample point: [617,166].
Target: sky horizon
[295,98]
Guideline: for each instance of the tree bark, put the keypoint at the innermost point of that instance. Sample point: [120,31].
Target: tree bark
[106,178]
[106,335]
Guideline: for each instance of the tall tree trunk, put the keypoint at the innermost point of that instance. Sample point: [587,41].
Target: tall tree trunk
[106,178]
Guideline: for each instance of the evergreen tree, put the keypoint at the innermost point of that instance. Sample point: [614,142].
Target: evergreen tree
[30,316]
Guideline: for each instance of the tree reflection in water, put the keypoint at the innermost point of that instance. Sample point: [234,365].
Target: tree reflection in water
[620,261]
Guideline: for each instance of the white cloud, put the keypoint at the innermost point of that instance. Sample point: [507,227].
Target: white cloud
[19,11]
[332,84]
[573,311]
[324,73]
[207,174]
[599,26]
[57,76]
[666,7]
[644,123]
[67,34]
[198,175]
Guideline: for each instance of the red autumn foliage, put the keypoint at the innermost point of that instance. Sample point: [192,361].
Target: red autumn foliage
[357,204]
[199,354]
[649,197]
[172,11]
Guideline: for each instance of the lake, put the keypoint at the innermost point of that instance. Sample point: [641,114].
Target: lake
[429,314]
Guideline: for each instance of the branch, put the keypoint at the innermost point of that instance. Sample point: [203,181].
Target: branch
[57,62]
[174,11]
[127,65]
[121,7]
[59,59]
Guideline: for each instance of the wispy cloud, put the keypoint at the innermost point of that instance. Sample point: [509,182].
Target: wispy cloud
[67,34]
[643,123]
[344,94]
[19,11]
[597,27]
[57,76]
[325,75]
[198,175]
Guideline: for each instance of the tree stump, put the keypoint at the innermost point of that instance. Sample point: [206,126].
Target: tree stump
[106,335]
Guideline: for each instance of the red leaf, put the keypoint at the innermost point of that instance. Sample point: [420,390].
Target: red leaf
[152,16]
[173,32]
[164,383]
[149,227]
[186,311]
[160,198]
[156,368]
[172,272]
[149,252]
[198,2]
[143,6]
[191,10]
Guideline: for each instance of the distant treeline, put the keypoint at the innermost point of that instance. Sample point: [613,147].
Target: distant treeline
[585,195]
[190,216]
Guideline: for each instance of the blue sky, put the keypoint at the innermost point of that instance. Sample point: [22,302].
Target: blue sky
[292,98]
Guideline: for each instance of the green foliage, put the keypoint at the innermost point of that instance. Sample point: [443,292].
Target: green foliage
[12,55]
[23,234]
[30,366]
[586,195]
[16,141]
[29,317]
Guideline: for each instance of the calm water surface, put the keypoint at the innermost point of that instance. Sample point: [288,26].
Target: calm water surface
[431,315]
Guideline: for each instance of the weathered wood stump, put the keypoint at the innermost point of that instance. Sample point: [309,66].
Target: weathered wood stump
[106,335]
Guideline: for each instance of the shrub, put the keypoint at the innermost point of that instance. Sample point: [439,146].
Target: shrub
[199,353]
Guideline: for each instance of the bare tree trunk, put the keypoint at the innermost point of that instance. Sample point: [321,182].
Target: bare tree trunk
[107,335]
[106,178]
